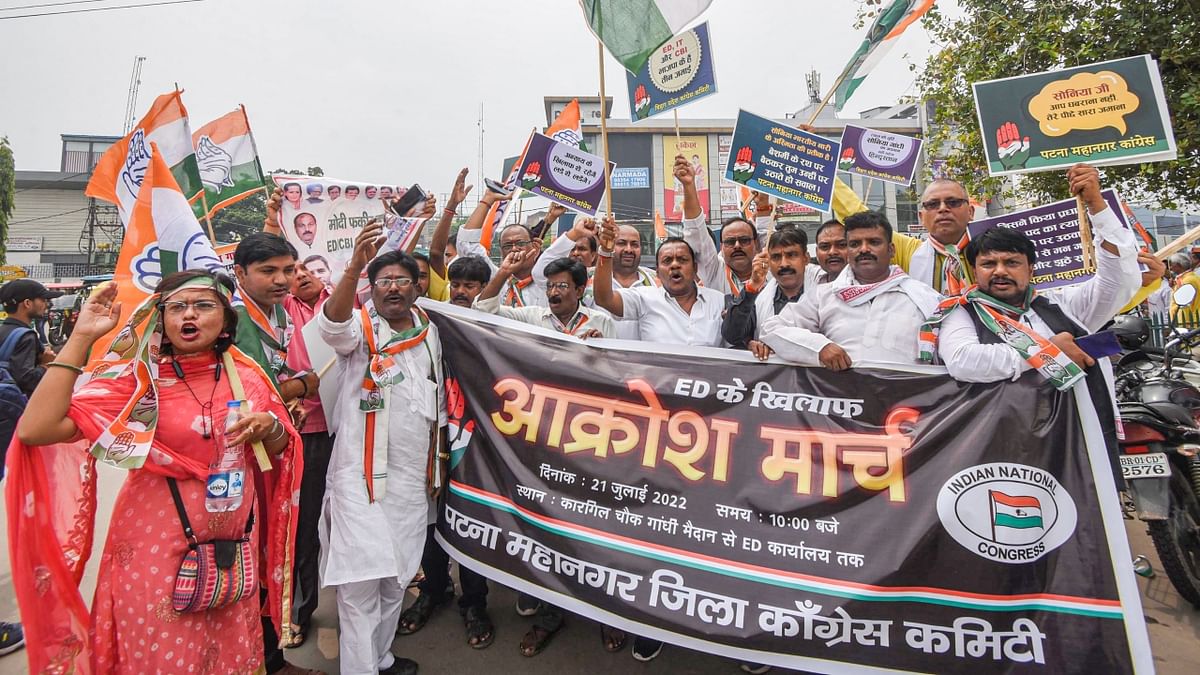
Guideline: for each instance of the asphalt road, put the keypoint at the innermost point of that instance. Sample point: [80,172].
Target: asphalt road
[441,646]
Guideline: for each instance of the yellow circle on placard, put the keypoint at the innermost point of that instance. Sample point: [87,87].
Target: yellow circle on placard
[676,63]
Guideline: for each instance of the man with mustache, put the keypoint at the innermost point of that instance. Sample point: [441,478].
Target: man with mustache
[468,276]
[388,457]
[872,310]
[728,271]
[1004,328]
[564,312]
[522,288]
[787,259]
[831,253]
[679,311]
[302,303]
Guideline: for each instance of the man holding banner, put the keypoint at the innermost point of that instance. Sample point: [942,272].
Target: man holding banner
[870,312]
[1009,328]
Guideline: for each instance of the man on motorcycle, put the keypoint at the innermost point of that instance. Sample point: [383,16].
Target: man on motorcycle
[1009,328]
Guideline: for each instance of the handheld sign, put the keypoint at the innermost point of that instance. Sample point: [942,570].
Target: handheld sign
[563,174]
[891,158]
[679,72]
[1054,229]
[1106,113]
[794,165]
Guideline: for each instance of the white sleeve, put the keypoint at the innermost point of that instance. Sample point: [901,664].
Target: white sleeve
[492,306]
[709,265]
[342,336]
[970,361]
[557,250]
[467,244]
[793,332]
[1117,277]
[632,306]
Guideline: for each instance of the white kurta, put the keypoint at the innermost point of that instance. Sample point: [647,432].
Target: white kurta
[710,262]
[468,244]
[360,540]
[885,329]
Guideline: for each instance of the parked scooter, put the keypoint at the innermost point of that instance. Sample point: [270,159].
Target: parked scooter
[1160,413]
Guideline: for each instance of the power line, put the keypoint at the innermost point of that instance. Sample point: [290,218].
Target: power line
[99,9]
[52,4]
[53,215]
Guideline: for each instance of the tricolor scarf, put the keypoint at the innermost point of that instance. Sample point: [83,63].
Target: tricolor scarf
[125,441]
[514,297]
[383,371]
[1004,321]
[578,321]
[954,276]
[863,293]
[274,332]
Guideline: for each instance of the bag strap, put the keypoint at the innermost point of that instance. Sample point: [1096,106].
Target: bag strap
[235,385]
[10,342]
[183,519]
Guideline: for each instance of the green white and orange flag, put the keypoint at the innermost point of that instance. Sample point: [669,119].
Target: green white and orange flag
[882,36]
[228,160]
[162,236]
[632,29]
[118,175]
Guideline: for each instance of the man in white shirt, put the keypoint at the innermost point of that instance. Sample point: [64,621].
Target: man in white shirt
[872,311]
[566,280]
[521,288]
[831,254]
[677,312]
[377,498]
[1001,329]
[627,273]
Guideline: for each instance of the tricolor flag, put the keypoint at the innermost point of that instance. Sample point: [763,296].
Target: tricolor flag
[227,160]
[118,174]
[1016,512]
[887,28]
[162,236]
[632,29]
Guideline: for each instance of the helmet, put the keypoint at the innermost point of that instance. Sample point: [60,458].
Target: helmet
[1131,330]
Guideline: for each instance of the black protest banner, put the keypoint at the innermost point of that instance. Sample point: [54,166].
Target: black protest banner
[829,522]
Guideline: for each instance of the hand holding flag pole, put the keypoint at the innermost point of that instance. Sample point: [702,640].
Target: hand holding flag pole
[604,132]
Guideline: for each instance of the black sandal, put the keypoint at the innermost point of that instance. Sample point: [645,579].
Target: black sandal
[414,618]
[612,638]
[536,640]
[480,630]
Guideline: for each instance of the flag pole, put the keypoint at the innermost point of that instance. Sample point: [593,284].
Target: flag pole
[676,111]
[257,163]
[604,132]
[207,217]
[825,101]
[1085,234]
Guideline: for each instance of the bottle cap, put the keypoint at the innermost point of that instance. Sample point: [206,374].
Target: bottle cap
[233,404]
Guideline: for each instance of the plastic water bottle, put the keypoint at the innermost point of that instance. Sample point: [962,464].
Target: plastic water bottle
[227,473]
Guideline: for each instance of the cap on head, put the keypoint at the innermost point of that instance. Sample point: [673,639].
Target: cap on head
[20,290]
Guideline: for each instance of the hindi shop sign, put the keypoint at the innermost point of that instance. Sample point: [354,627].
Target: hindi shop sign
[1054,230]
[564,174]
[679,72]
[1106,113]
[891,158]
[788,516]
[794,165]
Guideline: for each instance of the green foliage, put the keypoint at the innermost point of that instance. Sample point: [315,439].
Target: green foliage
[989,39]
[8,190]
[234,222]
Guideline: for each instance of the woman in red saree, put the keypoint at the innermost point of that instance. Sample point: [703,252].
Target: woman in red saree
[161,425]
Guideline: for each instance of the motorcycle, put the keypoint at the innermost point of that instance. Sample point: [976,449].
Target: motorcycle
[1160,414]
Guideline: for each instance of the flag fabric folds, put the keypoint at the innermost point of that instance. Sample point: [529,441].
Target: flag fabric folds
[888,26]
[227,160]
[118,175]
[632,29]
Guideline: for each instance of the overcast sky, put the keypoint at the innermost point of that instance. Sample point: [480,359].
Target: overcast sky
[390,91]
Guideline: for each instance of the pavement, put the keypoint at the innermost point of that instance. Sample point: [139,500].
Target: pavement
[440,647]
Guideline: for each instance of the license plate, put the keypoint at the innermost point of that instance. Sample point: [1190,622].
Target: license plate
[1151,465]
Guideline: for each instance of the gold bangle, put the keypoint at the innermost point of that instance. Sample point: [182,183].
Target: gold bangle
[59,364]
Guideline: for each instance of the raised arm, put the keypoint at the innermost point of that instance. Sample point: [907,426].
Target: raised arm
[271,222]
[441,233]
[695,230]
[602,283]
[45,420]
[561,246]
[340,305]
[468,235]
[503,273]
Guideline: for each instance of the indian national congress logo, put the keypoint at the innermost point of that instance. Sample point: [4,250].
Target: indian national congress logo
[1009,513]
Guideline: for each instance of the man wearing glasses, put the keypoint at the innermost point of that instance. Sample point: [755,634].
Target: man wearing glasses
[566,280]
[521,289]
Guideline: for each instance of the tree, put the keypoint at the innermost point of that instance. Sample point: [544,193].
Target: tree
[234,222]
[8,190]
[989,39]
